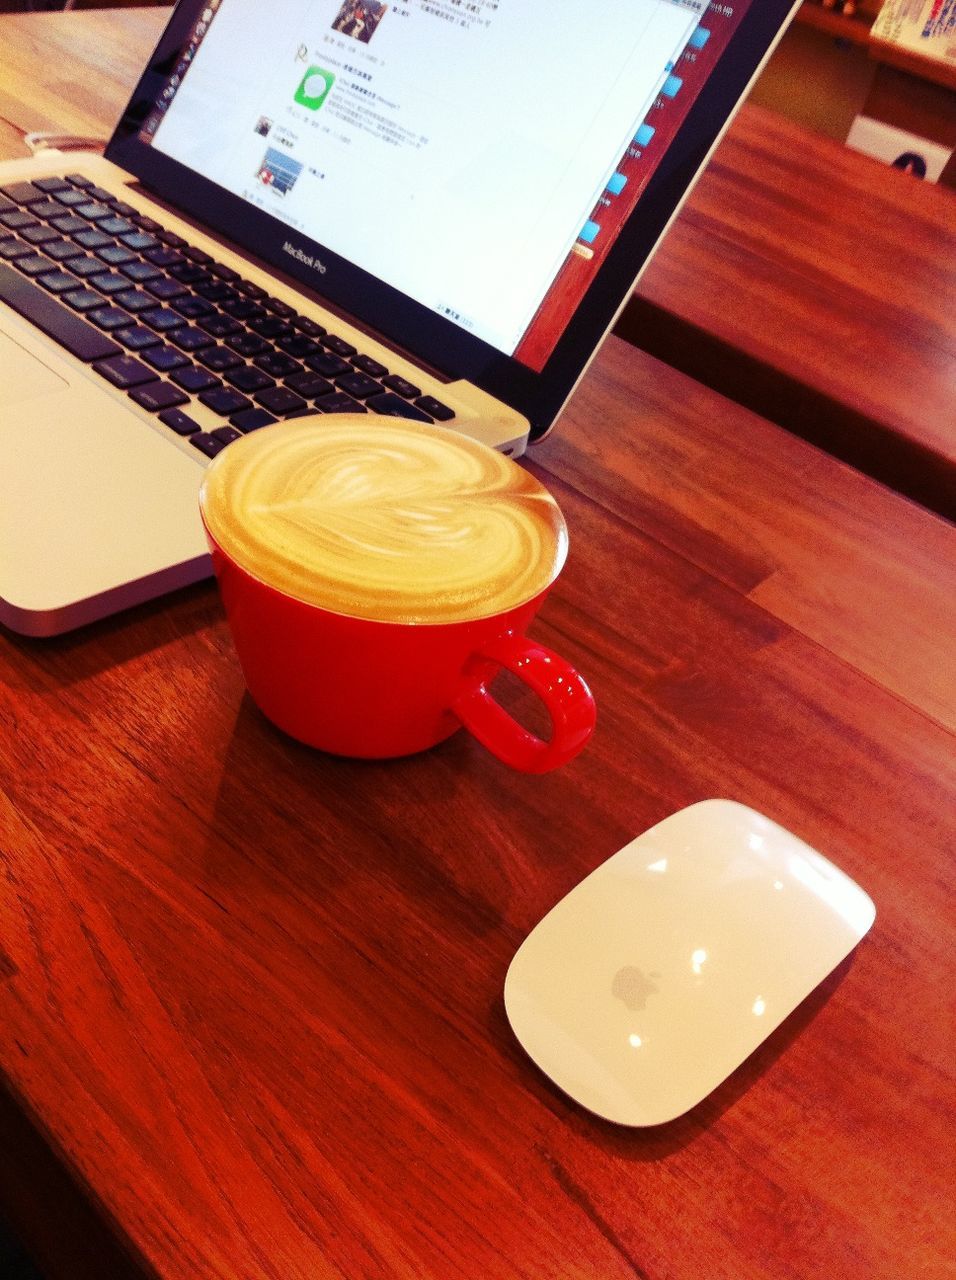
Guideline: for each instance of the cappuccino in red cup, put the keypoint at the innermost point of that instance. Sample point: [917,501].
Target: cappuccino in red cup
[377,573]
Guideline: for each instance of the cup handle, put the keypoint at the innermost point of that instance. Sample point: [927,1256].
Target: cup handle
[564,693]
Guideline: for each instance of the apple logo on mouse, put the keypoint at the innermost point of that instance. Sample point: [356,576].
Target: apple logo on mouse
[634,987]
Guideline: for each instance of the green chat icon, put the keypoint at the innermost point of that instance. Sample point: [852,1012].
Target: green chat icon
[314,89]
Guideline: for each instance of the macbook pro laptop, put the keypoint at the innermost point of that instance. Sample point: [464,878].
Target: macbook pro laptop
[425,208]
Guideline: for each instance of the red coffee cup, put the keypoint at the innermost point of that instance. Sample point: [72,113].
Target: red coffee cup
[372,687]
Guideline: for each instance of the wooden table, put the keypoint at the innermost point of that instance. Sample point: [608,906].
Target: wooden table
[818,287]
[251,1020]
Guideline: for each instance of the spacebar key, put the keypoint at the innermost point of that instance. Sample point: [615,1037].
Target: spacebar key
[52,318]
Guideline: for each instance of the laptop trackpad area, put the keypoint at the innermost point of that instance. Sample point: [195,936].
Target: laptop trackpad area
[98,509]
[24,376]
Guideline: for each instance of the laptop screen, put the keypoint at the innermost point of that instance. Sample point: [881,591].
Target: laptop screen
[478,159]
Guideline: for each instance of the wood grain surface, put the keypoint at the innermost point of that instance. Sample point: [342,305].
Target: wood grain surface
[253,994]
[817,286]
[251,1019]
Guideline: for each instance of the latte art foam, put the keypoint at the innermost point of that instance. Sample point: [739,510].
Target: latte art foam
[384,519]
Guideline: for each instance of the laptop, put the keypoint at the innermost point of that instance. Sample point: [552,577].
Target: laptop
[425,208]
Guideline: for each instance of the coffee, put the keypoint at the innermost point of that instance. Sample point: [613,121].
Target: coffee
[384,519]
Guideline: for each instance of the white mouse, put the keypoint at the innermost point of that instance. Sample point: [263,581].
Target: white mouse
[668,965]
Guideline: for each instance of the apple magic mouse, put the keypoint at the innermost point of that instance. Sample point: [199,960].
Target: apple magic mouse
[666,967]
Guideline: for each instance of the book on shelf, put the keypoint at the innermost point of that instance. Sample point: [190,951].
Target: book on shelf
[926,27]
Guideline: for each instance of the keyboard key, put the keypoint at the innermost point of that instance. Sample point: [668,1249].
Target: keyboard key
[401,386]
[123,209]
[216,291]
[247,378]
[269,326]
[124,372]
[219,358]
[68,224]
[114,226]
[220,326]
[110,317]
[188,338]
[83,299]
[327,365]
[207,444]
[159,318]
[46,209]
[247,344]
[115,254]
[367,365]
[297,344]
[140,272]
[139,241]
[60,250]
[339,402]
[251,290]
[192,308]
[277,364]
[65,328]
[22,192]
[198,255]
[109,282]
[147,224]
[133,300]
[338,345]
[242,308]
[224,273]
[395,407]
[225,434]
[309,385]
[163,256]
[193,379]
[165,358]
[280,400]
[39,235]
[100,193]
[311,328]
[85,267]
[79,180]
[179,422]
[189,273]
[13,248]
[137,338]
[171,238]
[165,289]
[70,197]
[225,400]
[58,281]
[359,385]
[92,210]
[252,419]
[158,395]
[434,408]
[51,184]
[17,219]
[35,265]
[92,239]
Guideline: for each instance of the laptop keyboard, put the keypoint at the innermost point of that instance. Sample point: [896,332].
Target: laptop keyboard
[170,326]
